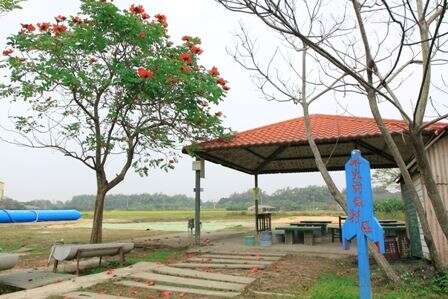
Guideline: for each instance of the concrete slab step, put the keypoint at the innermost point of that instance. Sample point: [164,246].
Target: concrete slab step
[259,253]
[87,295]
[162,269]
[227,261]
[242,257]
[31,279]
[207,284]
[218,266]
[160,287]
[60,288]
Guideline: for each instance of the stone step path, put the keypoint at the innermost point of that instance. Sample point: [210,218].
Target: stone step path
[228,261]
[241,257]
[218,266]
[162,269]
[160,287]
[203,283]
[241,253]
[189,276]
[87,295]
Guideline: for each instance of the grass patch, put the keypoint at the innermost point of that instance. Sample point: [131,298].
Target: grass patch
[331,285]
[159,255]
[7,289]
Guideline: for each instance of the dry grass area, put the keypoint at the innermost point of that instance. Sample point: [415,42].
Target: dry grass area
[34,241]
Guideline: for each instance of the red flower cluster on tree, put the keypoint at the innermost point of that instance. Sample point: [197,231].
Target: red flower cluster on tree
[196,50]
[28,27]
[43,27]
[142,34]
[186,38]
[59,29]
[186,57]
[93,60]
[77,20]
[214,71]
[223,82]
[7,52]
[144,73]
[137,9]
[161,19]
[185,68]
[145,16]
[60,18]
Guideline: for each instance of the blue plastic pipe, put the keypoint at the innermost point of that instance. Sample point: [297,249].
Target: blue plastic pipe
[21,216]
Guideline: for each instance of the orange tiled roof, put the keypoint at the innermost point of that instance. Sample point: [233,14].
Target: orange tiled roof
[325,128]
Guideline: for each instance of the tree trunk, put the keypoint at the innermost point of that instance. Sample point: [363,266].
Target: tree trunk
[379,258]
[435,256]
[428,179]
[97,227]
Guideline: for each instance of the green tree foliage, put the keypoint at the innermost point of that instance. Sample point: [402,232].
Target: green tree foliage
[307,198]
[288,199]
[389,205]
[110,83]
[8,5]
[139,202]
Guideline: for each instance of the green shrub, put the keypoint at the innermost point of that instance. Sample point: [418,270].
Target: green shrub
[389,205]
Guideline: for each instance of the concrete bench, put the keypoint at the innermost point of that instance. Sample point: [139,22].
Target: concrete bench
[68,252]
[307,231]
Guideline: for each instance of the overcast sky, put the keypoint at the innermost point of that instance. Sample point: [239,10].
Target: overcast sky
[43,174]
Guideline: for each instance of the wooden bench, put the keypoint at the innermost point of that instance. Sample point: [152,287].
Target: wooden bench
[307,231]
[68,252]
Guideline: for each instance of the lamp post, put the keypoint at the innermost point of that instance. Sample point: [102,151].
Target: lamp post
[198,167]
[2,190]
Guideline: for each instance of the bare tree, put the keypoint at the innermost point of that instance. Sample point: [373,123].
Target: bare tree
[276,87]
[405,36]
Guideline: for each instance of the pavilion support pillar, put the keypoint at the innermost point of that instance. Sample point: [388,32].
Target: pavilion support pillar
[198,167]
[256,196]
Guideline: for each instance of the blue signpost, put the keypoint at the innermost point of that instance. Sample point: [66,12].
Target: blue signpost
[361,222]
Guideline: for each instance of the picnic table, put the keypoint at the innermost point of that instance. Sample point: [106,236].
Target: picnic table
[387,221]
[322,225]
[316,221]
[398,224]
[307,231]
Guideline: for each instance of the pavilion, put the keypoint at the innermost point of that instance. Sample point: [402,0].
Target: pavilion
[283,147]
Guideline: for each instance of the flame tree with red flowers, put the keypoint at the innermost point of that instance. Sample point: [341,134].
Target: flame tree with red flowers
[109,83]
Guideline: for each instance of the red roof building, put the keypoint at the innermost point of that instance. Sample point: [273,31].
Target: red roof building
[282,147]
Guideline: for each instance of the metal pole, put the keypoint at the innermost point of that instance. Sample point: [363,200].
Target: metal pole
[197,206]
[256,203]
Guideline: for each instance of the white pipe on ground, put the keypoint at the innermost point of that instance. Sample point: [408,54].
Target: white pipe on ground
[8,261]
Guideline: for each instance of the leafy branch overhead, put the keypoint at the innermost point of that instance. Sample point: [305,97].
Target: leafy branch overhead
[111,82]
[8,5]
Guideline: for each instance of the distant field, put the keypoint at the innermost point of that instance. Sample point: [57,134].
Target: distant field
[139,216]
[206,214]
[214,214]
